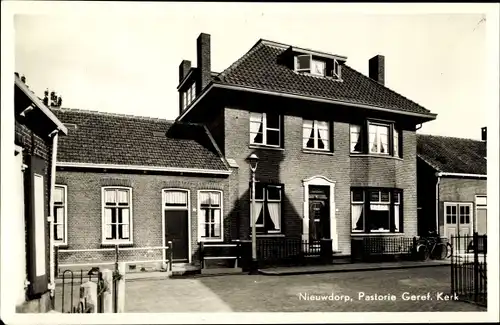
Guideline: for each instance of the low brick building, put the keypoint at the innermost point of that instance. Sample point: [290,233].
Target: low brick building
[137,182]
[36,138]
[452,185]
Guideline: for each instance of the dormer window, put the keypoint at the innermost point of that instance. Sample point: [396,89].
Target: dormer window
[189,95]
[326,67]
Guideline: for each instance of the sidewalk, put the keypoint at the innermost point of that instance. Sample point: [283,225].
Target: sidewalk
[351,267]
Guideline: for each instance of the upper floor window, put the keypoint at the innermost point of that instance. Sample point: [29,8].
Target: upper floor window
[60,215]
[210,215]
[320,67]
[189,95]
[268,199]
[376,138]
[117,215]
[265,129]
[316,135]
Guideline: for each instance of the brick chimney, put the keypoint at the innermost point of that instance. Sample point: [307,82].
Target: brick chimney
[376,69]
[203,61]
[184,69]
[483,133]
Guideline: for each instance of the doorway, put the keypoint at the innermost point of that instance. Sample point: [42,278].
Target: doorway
[176,223]
[319,213]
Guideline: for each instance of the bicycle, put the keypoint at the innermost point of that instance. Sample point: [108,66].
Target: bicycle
[433,247]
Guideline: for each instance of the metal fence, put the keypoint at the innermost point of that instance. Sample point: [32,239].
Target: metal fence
[375,248]
[468,268]
[67,297]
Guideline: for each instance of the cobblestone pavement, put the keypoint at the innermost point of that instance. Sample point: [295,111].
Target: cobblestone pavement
[351,292]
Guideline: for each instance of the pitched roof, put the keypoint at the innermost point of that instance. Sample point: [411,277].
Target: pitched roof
[452,155]
[259,68]
[105,138]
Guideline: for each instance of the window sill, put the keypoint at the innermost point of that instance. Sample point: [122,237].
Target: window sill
[208,240]
[379,233]
[61,245]
[117,243]
[374,155]
[256,146]
[270,235]
[318,152]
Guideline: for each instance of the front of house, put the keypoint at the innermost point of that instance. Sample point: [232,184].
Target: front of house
[337,149]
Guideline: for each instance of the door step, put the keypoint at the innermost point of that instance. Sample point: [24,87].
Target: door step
[184,269]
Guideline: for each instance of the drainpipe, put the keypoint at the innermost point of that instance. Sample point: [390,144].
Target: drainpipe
[438,175]
[55,135]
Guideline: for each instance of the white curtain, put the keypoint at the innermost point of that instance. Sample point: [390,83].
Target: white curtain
[396,143]
[125,223]
[274,213]
[355,133]
[356,214]
[110,196]
[217,223]
[59,235]
[175,197]
[256,120]
[107,222]
[323,133]
[396,218]
[205,198]
[122,196]
[306,132]
[214,198]
[59,215]
[256,213]
[373,138]
[201,222]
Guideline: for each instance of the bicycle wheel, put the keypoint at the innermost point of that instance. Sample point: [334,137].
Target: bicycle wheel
[440,251]
[423,252]
[449,250]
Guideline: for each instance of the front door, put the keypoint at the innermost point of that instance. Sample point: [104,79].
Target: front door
[319,213]
[176,205]
[458,221]
[176,231]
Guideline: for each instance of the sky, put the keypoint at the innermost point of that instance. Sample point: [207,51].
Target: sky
[125,58]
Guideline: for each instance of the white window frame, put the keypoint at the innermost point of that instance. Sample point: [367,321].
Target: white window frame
[184,99]
[380,202]
[297,63]
[336,68]
[379,142]
[265,198]
[313,61]
[395,143]
[65,221]
[358,129]
[263,118]
[479,206]
[457,205]
[204,239]
[362,203]
[105,241]
[316,128]
[176,208]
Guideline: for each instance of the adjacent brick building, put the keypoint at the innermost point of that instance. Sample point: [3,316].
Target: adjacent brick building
[452,185]
[36,137]
[337,149]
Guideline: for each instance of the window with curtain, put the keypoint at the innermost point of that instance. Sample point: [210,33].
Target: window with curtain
[376,210]
[378,138]
[175,199]
[59,215]
[356,139]
[265,129]
[396,143]
[268,199]
[210,215]
[117,214]
[316,135]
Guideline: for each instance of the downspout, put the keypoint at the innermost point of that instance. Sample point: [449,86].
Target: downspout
[438,175]
[55,134]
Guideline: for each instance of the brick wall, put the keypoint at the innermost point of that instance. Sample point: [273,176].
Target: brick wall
[41,146]
[459,190]
[85,214]
[292,165]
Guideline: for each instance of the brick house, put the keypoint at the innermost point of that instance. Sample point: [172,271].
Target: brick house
[36,138]
[337,149]
[451,185]
[136,182]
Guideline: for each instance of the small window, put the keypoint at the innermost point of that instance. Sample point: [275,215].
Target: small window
[189,95]
[267,208]
[318,67]
[175,199]
[316,135]
[117,215]
[356,139]
[210,215]
[357,210]
[60,217]
[265,129]
[303,63]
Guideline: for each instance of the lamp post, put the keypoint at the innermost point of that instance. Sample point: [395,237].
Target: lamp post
[253,160]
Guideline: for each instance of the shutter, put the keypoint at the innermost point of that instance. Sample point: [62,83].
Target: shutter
[37,226]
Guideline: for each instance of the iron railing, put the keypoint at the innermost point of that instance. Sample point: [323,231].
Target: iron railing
[468,268]
[68,289]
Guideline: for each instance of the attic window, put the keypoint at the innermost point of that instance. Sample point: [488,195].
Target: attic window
[70,126]
[306,63]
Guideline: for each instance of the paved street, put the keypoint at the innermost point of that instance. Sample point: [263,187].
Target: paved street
[260,293]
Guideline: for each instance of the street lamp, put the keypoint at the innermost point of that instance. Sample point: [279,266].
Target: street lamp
[253,160]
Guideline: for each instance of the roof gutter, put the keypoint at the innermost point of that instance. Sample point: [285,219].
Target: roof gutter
[444,174]
[429,116]
[144,168]
[41,106]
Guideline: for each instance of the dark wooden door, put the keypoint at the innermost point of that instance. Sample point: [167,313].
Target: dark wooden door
[176,231]
[319,218]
